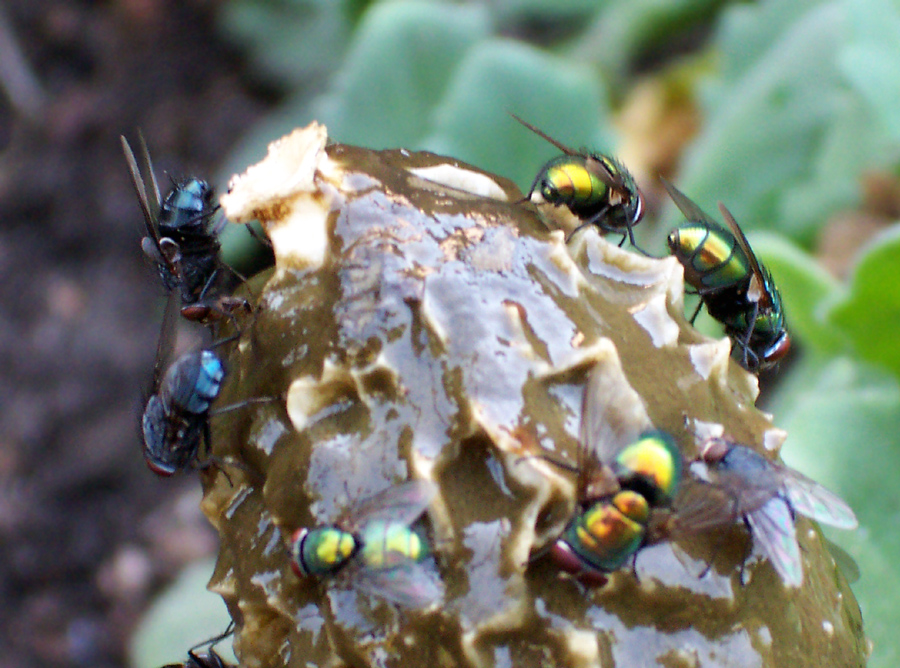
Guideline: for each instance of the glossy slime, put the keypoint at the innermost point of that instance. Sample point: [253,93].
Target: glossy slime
[423,322]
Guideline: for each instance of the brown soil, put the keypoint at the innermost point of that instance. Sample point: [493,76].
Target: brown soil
[87,534]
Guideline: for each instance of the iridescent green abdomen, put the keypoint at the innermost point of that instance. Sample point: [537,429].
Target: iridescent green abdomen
[595,188]
[388,544]
[322,551]
[608,532]
[651,466]
[735,287]
[566,181]
[710,255]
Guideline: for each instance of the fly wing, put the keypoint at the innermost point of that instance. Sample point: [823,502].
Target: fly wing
[150,202]
[602,172]
[688,208]
[809,498]
[760,275]
[166,344]
[701,506]
[774,531]
[400,504]
[409,584]
[752,479]
[612,413]
[540,133]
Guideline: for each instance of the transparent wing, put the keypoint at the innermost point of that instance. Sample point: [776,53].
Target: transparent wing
[751,492]
[409,584]
[773,530]
[701,506]
[401,504]
[602,172]
[759,273]
[540,133]
[612,413]
[149,201]
[166,344]
[809,498]
[687,206]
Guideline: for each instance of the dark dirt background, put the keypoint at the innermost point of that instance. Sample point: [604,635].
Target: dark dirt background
[87,534]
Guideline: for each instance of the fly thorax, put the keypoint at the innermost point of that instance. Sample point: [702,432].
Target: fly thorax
[186,204]
[608,532]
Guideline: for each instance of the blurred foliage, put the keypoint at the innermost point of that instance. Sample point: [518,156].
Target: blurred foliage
[795,100]
[183,616]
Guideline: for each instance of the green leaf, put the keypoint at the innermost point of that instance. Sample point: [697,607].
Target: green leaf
[869,61]
[870,314]
[806,290]
[402,57]
[547,12]
[624,30]
[786,137]
[764,127]
[843,433]
[500,77]
[289,40]
[184,615]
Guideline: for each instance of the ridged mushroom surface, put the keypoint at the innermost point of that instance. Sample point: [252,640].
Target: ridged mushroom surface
[422,322]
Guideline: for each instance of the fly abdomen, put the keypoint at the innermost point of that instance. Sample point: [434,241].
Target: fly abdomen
[386,544]
[566,181]
[608,532]
[711,257]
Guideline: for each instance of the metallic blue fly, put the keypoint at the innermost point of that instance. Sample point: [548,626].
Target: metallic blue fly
[182,240]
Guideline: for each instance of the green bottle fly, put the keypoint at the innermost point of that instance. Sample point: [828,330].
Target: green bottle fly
[737,290]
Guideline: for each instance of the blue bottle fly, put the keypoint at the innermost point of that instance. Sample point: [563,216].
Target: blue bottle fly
[615,500]
[176,418]
[737,290]
[175,422]
[375,548]
[182,240]
[595,188]
[742,485]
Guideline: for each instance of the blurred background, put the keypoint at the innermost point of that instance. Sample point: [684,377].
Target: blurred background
[787,112]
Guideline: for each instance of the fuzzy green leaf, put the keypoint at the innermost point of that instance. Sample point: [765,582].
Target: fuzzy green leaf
[806,289]
[184,615]
[870,314]
[843,433]
[500,77]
